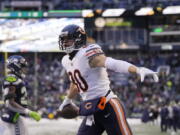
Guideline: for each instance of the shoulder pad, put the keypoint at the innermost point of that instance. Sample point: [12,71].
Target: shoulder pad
[11,79]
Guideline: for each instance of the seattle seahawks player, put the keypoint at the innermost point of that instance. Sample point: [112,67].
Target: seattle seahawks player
[15,98]
[86,66]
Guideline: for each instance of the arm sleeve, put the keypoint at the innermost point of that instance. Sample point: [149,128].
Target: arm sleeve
[12,108]
[117,65]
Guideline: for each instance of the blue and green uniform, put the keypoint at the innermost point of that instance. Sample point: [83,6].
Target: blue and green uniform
[20,97]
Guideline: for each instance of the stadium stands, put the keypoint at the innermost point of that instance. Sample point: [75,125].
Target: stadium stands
[52,82]
[47,81]
[93,4]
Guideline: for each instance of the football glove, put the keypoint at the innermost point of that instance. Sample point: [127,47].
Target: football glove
[65,102]
[32,114]
[143,72]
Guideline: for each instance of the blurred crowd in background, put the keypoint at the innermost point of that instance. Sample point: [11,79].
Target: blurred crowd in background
[100,4]
[48,82]
[103,4]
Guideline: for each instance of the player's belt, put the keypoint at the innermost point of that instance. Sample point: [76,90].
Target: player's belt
[92,106]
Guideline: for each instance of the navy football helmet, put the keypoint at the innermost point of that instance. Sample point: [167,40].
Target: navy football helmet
[16,64]
[72,37]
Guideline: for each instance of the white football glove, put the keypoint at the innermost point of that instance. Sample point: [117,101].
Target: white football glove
[65,102]
[142,71]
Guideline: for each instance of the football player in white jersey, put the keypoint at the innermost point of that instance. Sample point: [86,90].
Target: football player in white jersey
[15,99]
[87,67]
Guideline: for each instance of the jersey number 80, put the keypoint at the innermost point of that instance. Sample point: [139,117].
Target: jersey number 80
[78,80]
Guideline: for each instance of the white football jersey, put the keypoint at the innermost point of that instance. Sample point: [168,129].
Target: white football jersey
[91,82]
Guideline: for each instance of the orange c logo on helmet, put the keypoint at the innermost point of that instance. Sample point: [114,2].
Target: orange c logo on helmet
[81,30]
[88,105]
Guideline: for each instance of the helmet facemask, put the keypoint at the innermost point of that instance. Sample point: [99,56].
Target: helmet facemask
[72,38]
[66,43]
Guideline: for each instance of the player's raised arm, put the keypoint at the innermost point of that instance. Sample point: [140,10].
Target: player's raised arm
[100,60]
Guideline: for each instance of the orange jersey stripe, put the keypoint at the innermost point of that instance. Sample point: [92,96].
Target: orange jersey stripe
[94,51]
[125,121]
[91,53]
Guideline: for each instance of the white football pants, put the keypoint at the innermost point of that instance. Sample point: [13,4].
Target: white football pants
[20,128]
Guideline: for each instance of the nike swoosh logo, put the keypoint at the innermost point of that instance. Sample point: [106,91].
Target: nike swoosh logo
[106,115]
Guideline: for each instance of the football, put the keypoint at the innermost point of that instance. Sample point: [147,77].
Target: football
[70,111]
